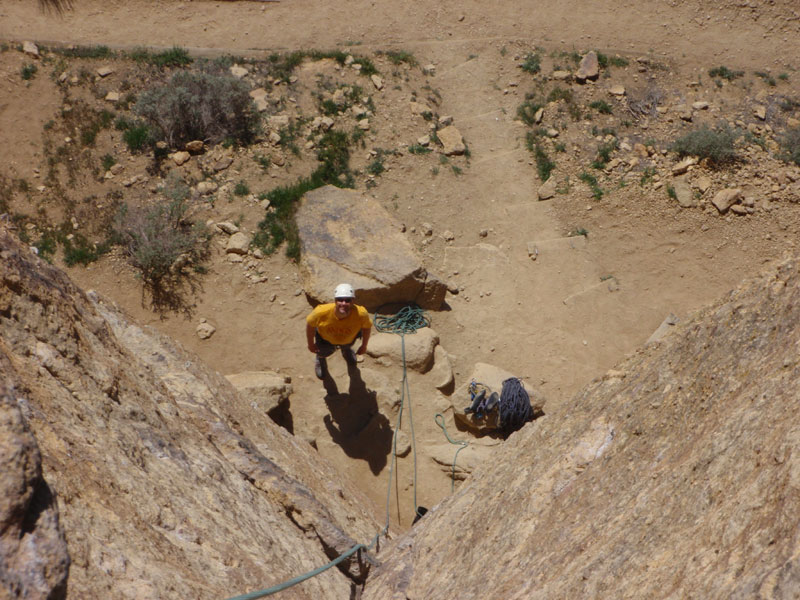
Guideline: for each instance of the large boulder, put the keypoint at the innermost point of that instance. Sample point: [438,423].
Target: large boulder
[419,348]
[346,236]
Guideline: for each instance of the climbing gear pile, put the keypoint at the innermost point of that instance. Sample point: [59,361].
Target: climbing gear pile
[507,411]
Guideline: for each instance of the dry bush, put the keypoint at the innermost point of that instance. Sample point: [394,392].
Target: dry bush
[200,106]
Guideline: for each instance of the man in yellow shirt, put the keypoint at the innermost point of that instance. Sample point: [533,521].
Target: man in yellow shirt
[337,325]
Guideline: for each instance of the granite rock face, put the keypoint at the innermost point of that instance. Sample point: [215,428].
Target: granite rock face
[347,237]
[169,484]
[34,562]
[676,475]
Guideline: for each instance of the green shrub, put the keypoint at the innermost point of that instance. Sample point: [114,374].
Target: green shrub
[613,61]
[558,93]
[601,106]
[399,56]
[725,73]
[241,189]
[790,142]
[769,79]
[716,145]
[200,106]
[532,63]
[604,154]
[108,161]
[591,181]
[28,71]
[80,250]
[418,149]
[376,167]
[137,137]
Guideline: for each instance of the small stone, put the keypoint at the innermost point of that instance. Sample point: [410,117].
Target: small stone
[238,71]
[760,111]
[617,90]
[726,198]
[589,67]
[181,157]
[30,49]
[194,147]
[104,71]
[377,81]
[448,236]
[205,330]
[547,190]
[112,97]
[700,105]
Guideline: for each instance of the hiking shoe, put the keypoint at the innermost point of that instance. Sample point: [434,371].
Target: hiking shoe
[320,367]
[349,356]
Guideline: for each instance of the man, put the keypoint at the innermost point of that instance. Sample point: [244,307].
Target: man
[337,325]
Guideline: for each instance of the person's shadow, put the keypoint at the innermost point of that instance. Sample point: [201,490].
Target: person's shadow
[355,423]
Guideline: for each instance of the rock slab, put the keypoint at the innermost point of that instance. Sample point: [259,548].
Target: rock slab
[348,237]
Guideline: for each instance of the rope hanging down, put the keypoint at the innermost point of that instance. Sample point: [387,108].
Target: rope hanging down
[407,320]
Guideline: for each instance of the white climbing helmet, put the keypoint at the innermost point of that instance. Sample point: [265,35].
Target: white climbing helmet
[344,290]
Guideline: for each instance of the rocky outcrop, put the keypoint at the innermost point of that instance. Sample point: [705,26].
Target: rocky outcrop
[170,485]
[33,552]
[349,237]
[675,475]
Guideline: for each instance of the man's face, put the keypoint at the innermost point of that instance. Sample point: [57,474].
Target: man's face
[343,307]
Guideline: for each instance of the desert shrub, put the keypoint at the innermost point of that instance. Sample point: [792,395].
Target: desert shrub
[241,189]
[591,181]
[768,79]
[527,111]
[399,56]
[376,167]
[725,73]
[160,241]
[532,63]
[418,149]
[28,71]
[604,154]
[200,106]
[790,142]
[137,136]
[716,145]
[601,106]
[613,61]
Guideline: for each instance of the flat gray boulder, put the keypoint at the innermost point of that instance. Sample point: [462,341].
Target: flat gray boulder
[348,237]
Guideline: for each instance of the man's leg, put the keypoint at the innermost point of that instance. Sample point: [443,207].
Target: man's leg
[348,353]
[325,350]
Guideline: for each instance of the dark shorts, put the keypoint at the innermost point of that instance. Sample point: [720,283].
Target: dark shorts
[326,348]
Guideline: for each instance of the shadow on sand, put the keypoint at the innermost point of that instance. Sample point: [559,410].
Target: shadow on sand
[355,423]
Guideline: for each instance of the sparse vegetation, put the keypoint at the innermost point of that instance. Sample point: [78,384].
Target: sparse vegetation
[241,189]
[671,193]
[768,79]
[532,63]
[278,225]
[725,73]
[397,57]
[601,106]
[174,57]
[28,71]
[544,165]
[591,181]
[715,145]
[611,61]
[604,154]
[790,143]
[526,112]
[418,149]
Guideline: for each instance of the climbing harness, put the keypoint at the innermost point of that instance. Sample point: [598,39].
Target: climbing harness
[407,320]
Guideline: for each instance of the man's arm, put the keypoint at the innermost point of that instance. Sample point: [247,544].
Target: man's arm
[312,344]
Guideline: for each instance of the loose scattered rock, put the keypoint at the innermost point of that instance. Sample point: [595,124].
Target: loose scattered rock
[205,330]
[589,68]
[724,199]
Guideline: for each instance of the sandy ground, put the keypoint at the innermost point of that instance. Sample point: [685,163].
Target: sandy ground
[553,321]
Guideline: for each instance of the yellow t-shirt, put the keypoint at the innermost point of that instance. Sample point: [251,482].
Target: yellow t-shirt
[339,331]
